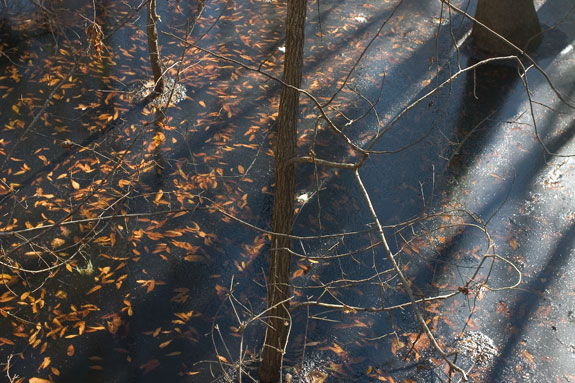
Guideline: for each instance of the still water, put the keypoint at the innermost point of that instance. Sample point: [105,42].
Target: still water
[155,283]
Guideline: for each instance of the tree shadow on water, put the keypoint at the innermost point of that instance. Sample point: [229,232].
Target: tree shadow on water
[527,302]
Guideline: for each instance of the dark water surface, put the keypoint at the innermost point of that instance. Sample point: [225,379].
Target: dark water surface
[143,294]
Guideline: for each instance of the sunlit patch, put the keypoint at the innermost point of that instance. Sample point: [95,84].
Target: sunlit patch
[173,92]
[303,198]
[567,49]
[318,367]
[555,176]
[477,346]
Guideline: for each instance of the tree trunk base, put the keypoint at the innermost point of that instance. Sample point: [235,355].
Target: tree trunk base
[516,20]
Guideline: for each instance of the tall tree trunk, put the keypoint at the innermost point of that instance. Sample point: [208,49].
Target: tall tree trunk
[286,144]
[153,48]
[516,20]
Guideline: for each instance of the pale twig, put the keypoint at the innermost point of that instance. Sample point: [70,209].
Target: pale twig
[11,378]
[405,283]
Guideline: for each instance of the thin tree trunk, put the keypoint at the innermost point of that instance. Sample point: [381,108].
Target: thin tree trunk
[516,20]
[154,48]
[286,144]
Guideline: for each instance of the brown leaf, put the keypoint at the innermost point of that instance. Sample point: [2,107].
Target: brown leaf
[513,243]
[166,343]
[39,380]
[94,289]
[45,363]
[6,341]
[57,242]
[159,195]
[150,365]
[151,286]
[529,358]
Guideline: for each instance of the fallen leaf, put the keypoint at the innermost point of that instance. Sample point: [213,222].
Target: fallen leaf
[39,380]
[166,343]
[45,363]
[75,185]
[513,243]
[529,358]
[57,242]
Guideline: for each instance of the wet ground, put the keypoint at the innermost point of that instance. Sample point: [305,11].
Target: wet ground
[155,285]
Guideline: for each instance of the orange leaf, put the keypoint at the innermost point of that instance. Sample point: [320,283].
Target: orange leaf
[94,289]
[57,242]
[159,195]
[45,363]
[6,341]
[297,273]
[39,380]
[166,343]
[75,185]
[70,351]
[7,296]
[151,286]
[337,349]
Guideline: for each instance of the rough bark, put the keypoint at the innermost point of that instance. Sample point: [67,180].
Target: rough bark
[280,259]
[516,20]
[154,48]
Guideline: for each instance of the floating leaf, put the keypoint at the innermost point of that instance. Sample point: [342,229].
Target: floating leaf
[57,242]
[6,341]
[39,380]
[514,244]
[45,363]
[159,195]
[166,343]
[94,289]
[529,358]
[150,365]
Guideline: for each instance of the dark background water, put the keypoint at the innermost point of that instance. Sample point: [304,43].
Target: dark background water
[470,145]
